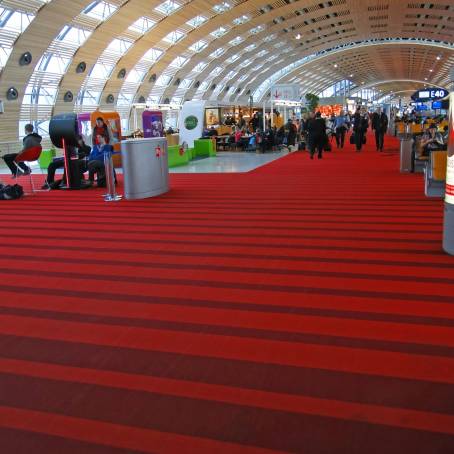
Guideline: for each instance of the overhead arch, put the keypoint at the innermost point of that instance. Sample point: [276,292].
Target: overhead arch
[285,40]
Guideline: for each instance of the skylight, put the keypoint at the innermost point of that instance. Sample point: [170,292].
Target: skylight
[101,71]
[99,10]
[152,55]
[179,62]
[53,64]
[241,20]
[200,67]
[250,47]
[257,29]
[219,32]
[186,83]
[232,58]
[119,46]
[262,53]
[168,7]
[163,80]
[173,37]
[216,71]
[142,25]
[14,20]
[198,46]
[73,35]
[221,7]
[135,75]
[219,51]
[197,21]
[236,41]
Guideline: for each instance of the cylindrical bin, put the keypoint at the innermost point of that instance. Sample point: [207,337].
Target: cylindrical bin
[145,167]
[406,154]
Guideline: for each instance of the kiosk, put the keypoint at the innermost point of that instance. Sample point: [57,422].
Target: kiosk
[145,167]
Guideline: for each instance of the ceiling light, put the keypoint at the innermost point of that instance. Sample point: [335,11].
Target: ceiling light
[335,65]
[298,36]
[425,78]
[351,75]
[438,58]
[430,70]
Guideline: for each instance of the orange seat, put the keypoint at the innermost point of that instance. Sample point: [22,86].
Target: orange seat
[27,156]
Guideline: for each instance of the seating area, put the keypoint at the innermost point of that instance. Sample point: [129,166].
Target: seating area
[435,174]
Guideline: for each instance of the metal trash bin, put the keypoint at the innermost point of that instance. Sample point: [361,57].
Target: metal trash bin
[145,167]
[406,154]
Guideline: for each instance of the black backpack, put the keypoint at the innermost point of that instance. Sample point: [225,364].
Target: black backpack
[8,192]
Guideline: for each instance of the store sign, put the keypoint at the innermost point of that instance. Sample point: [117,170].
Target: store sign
[429,94]
[190,122]
[449,194]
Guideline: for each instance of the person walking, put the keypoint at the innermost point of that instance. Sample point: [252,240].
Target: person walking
[341,126]
[360,125]
[380,126]
[317,135]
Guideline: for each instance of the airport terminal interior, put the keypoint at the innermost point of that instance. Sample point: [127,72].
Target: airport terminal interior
[227,226]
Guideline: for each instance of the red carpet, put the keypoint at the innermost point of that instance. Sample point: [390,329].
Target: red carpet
[303,307]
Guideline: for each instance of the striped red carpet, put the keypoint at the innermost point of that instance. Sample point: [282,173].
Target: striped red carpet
[303,307]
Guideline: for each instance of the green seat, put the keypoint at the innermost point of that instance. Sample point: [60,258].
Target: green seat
[46,158]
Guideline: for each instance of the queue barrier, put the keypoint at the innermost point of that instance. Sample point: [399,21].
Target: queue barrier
[435,174]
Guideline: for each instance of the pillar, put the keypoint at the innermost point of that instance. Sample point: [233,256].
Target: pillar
[448,221]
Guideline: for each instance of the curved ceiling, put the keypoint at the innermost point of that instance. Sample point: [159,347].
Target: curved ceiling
[225,50]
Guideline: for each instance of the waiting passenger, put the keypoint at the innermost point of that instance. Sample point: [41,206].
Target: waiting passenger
[31,139]
[83,152]
[96,162]
[212,132]
[431,140]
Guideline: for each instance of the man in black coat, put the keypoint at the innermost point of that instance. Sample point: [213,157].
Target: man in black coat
[317,135]
[380,126]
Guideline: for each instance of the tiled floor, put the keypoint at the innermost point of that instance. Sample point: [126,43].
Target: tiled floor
[224,162]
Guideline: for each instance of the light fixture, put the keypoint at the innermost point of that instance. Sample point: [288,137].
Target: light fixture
[335,65]
[425,78]
[298,36]
[438,57]
[351,75]
[430,70]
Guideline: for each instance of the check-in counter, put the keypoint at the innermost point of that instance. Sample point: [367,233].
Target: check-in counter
[145,167]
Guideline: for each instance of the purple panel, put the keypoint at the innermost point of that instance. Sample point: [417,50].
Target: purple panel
[152,123]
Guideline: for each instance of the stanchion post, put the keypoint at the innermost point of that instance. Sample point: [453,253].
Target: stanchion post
[111,195]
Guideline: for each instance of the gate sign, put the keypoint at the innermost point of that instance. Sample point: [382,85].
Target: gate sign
[429,94]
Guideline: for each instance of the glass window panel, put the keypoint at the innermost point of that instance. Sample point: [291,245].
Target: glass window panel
[258,29]
[173,37]
[15,20]
[4,55]
[241,20]
[221,7]
[179,62]
[186,83]
[250,47]
[197,21]
[73,35]
[119,46]
[217,52]
[99,10]
[163,80]
[125,99]
[200,67]
[152,55]
[219,32]
[232,58]
[101,71]
[236,41]
[135,75]
[142,25]
[168,7]
[198,46]
[216,71]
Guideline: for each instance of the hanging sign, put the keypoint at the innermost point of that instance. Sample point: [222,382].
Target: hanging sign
[429,94]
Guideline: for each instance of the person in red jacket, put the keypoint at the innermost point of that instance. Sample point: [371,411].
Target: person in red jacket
[103,130]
